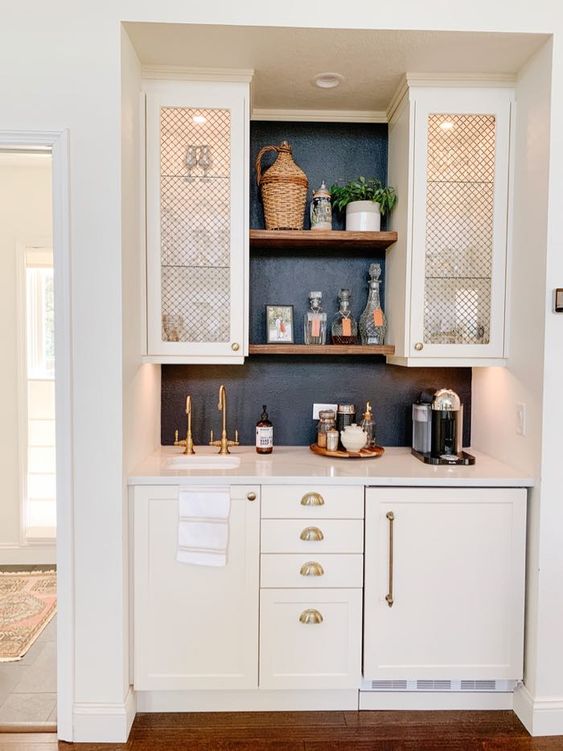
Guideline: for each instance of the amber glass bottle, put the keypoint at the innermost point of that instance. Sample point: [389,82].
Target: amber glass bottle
[264,434]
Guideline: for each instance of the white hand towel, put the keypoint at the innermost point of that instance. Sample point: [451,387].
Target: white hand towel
[203,526]
[203,503]
[193,533]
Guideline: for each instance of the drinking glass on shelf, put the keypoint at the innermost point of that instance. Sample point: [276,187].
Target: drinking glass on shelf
[172,327]
[191,160]
[204,159]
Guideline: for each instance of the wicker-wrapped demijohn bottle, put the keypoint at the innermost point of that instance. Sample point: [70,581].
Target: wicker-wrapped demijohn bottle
[373,325]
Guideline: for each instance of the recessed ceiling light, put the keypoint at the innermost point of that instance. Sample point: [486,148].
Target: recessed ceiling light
[199,119]
[446,125]
[327,80]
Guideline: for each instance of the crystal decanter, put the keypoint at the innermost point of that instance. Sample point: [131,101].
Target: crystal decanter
[344,327]
[315,320]
[373,325]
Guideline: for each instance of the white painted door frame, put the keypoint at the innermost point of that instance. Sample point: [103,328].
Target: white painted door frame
[57,142]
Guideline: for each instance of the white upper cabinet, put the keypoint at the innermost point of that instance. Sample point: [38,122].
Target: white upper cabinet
[449,157]
[197,221]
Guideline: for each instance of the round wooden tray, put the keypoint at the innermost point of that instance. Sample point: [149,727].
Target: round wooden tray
[368,453]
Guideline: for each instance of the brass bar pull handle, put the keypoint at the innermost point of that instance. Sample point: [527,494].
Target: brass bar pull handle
[311,534]
[312,499]
[310,616]
[389,596]
[312,568]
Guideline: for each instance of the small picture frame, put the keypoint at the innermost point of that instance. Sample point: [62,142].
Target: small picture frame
[279,324]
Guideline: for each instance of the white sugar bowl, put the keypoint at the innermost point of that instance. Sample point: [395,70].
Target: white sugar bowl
[353,437]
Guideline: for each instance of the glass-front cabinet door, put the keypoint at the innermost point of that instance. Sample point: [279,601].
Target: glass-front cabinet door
[197,227]
[459,223]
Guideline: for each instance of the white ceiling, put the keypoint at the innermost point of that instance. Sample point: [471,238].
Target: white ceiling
[372,61]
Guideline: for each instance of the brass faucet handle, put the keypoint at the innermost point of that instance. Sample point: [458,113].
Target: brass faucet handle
[177,442]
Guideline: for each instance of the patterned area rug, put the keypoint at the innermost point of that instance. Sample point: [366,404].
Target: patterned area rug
[28,601]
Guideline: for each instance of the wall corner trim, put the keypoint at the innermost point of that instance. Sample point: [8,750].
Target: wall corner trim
[95,722]
[540,716]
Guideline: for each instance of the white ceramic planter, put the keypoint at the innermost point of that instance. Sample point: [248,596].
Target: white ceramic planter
[363,216]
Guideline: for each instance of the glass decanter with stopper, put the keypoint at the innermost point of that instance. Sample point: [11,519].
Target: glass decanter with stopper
[315,320]
[344,327]
[373,325]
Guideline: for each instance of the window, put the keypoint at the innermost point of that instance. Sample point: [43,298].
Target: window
[39,502]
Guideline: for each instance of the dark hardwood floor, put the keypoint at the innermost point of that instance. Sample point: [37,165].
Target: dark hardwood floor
[311,731]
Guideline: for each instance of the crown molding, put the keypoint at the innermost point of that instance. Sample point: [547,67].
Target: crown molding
[319,116]
[483,80]
[180,73]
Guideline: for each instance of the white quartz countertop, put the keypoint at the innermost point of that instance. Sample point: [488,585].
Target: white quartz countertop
[297,464]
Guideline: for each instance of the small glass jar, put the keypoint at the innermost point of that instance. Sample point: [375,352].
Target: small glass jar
[332,438]
[346,415]
[327,421]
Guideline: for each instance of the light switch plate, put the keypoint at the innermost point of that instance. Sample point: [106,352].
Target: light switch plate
[317,408]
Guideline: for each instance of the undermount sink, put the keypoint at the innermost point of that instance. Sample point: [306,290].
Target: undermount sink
[193,461]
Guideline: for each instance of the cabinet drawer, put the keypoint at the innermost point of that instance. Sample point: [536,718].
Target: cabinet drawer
[301,571]
[332,536]
[312,502]
[324,652]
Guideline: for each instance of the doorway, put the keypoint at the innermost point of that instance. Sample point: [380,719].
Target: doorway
[35,434]
[27,441]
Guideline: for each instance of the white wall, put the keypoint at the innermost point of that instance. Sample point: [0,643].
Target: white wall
[25,219]
[64,64]
[496,391]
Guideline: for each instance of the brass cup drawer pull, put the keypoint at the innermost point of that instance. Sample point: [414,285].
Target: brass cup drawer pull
[310,616]
[311,534]
[312,568]
[312,499]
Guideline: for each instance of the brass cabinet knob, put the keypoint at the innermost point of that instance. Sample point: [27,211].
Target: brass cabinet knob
[235,346]
[312,499]
[251,496]
[312,534]
[310,616]
[312,568]
[419,346]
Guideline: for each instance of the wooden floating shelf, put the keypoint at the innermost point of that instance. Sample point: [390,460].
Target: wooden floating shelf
[321,349]
[291,239]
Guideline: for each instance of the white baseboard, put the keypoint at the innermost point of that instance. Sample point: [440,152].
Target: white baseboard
[539,716]
[27,555]
[403,700]
[246,701]
[103,723]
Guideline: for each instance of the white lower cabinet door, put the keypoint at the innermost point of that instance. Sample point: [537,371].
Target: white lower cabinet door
[310,639]
[444,583]
[195,627]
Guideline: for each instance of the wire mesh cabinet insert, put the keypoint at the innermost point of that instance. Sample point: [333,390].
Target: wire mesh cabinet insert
[455,259]
[197,247]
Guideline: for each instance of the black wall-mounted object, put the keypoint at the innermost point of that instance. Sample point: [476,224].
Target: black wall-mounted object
[289,384]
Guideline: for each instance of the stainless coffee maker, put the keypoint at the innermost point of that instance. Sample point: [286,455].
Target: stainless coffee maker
[438,429]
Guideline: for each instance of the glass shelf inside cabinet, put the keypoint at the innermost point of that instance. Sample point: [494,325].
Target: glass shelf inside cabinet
[195,224]
[459,228]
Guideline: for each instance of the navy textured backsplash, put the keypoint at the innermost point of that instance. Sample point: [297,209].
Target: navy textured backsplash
[288,384]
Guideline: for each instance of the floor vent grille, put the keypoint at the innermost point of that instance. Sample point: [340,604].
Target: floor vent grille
[478,685]
[438,685]
[433,685]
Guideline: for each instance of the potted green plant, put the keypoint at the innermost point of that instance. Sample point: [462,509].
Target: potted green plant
[365,200]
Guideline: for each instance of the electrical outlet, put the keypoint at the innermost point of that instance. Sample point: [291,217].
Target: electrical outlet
[520,418]
[317,408]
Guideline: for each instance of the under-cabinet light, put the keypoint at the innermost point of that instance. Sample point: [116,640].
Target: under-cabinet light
[199,119]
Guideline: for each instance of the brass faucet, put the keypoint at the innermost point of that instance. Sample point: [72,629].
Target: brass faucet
[188,440]
[224,443]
